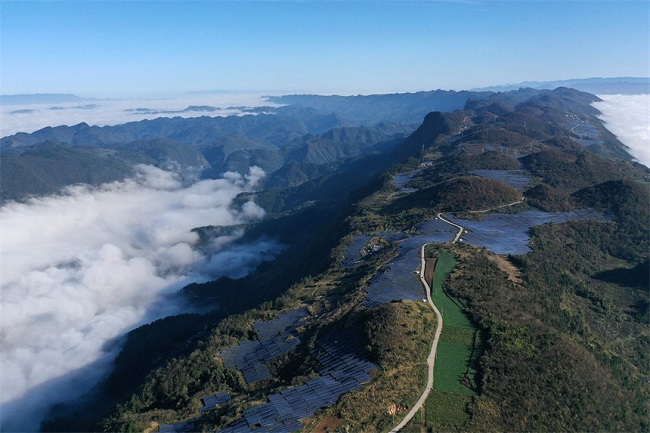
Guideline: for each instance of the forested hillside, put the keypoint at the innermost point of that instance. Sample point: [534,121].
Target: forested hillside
[544,297]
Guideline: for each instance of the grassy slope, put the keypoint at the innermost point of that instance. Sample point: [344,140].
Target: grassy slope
[552,361]
[404,348]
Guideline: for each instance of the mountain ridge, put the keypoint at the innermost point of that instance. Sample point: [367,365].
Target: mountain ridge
[543,323]
[353,204]
[595,85]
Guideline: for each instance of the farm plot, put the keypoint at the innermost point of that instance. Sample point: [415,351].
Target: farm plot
[445,408]
[452,366]
[453,369]
[451,309]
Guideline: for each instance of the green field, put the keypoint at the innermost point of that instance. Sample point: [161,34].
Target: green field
[458,334]
[447,403]
[451,366]
[451,313]
[445,408]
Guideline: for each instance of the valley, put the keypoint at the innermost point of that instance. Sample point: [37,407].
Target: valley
[531,213]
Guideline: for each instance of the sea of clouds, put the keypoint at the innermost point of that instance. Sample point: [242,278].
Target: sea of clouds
[32,117]
[82,268]
[628,117]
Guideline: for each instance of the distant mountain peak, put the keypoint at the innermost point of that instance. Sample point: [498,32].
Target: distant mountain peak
[595,85]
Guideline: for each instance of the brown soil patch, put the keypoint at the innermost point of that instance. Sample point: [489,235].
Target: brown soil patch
[429,266]
[505,265]
[328,424]
[395,409]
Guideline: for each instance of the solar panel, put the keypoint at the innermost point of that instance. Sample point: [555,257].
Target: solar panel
[353,252]
[215,400]
[182,427]
[514,178]
[284,322]
[501,233]
[343,368]
[239,426]
[509,233]
[401,180]
[275,338]
[399,281]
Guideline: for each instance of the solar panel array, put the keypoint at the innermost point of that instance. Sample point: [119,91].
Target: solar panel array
[285,322]
[241,426]
[343,370]
[514,178]
[275,338]
[501,233]
[401,180]
[399,281]
[342,356]
[352,254]
[182,427]
[393,236]
[215,400]
[343,365]
[509,233]
[437,231]
[588,134]
[248,357]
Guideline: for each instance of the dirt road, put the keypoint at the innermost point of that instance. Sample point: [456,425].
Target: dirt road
[431,360]
[432,354]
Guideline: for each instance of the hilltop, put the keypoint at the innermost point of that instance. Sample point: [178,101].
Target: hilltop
[545,302]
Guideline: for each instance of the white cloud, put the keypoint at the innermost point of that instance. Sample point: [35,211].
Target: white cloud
[32,117]
[82,268]
[628,117]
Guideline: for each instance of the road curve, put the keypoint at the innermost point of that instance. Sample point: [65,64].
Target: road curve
[432,355]
[460,228]
[431,360]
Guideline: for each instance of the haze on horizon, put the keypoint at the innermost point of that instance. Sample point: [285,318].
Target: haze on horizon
[154,49]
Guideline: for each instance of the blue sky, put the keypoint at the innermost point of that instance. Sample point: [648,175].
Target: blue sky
[147,48]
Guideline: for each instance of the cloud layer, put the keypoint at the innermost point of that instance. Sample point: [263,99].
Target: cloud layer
[82,268]
[628,117]
[32,117]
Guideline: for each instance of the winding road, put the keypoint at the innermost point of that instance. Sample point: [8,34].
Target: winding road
[460,228]
[431,360]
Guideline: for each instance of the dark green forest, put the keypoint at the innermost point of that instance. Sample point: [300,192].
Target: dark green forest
[559,335]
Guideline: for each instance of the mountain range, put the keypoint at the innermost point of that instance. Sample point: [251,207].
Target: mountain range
[595,85]
[542,278]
